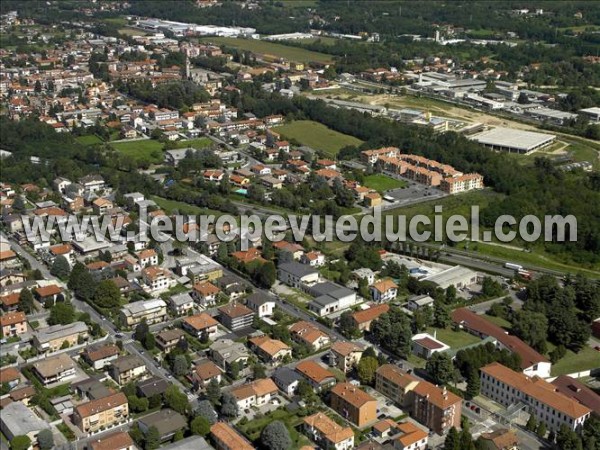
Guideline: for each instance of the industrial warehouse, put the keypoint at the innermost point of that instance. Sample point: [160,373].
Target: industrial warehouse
[513,141]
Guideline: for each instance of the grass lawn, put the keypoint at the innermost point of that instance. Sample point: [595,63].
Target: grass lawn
[455,339]
[499,321]
[195,143]
[586,359]
[271,48]
[88,139]
[144,150]
[317,136]
[253,428]
[183,208]
[382,183]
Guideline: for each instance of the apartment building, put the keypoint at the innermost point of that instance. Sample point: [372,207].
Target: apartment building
[256,393]
[354,404]
[101,413]
[541,398]
[345,355]
[128,368]
[157,279]
[181,304]
[154,311]
[436,408]
[236,316]
[51,339]
[327,434]
[318,377]
[205,293]
[54,370]
[225,437]
[395,384]
[13,324]
[201,325]
[463,183]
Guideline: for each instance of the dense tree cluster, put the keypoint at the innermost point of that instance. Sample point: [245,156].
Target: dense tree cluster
[174,94]
[393,332]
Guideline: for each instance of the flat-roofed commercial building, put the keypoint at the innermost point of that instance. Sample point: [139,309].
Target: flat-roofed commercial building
[543,401]
[512,140]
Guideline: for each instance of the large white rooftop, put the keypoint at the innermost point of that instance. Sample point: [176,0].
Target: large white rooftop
[512,139]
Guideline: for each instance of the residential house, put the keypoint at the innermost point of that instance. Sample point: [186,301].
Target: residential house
[408,436]
[328,434]
[52,338]
[47,293]
[147,257]
[205,293]
[100,356]
[286,380]
[225,437]
[308,334]
[10,376]
[363,319]
[236,316]
[102,206]
[372,199]
[501,439]
[256,393]
[542,400]
[13,324]
[181,304]
[345,355]
[226,352]
[384,291]
[313,258]
[417,302]
[157,279]
[166,421]
[364,273]
[200,325]
[269,350]
[204,372]
[424,345]
[151,387]
[114,441]
[127,368]
[294,250]
[396,384]
[317,376]
[262,305]
[56,369]
[354,404]
[167,340]
[153,311]
[92,183]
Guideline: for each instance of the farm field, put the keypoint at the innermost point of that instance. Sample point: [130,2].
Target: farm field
[317,136]
[382,183]
[272,48]
[143,150]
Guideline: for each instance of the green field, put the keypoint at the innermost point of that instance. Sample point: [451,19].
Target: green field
[272,48]
[253,428]
[195,143]
[382,183]
[145,150]
[455,339]
[586,359]
[317,136]
[89,139]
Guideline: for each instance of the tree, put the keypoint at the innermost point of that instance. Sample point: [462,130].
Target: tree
[176,400]
[60,267]
[20,443]
[452,441]
[61,313]
[532,327]
[181,365]
[213,391]
[82,282]
[229,406]
[266,275]
[441,316]
[473,384]
[531,423]
[141,330]
[567,439]
[258,370]
[347,326]
[450,294]
[138,404]
[275,436]
[45,439]
[149,342]
[107,295]
[26,301]
[152,439]
[523,99]
[440,368]
[234,370]
[393,331]
[18,205]
[200,426]
[206,410]
[367,366]
[541,430]
[491,288]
